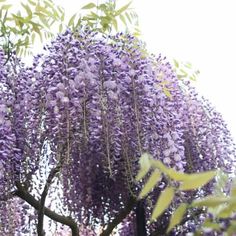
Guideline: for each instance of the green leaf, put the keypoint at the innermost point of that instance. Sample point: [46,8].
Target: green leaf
[62,18]
[173,174]
[122,9]
[37,30]
[188,65]
[27,8]
[151,182]
[177,216]
[55,14]
[60,28]
[233,189]
[44,21]
[6,7]
[145,166]
[2,0]
[128,17]
[122,18]
[210,201]
[102,7]
[195,181]
[61,9]
[89,6]
[32,2]
[232,228]
[49,4]
[71,21]
[211,225]
[41,9]
[33,38]
[114,22]
[163,202]
[225,212]
[167,92]
[176,63]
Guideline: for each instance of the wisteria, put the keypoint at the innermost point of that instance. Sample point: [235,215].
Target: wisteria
[95,104]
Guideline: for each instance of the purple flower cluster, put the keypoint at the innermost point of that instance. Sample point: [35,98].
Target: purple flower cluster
[99,104]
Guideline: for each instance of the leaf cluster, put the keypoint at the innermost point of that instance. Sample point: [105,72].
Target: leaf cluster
[220,206]
[177,183]
[185,70]
[105,17]
[20,28]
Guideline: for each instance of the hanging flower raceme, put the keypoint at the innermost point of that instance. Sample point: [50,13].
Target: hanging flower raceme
[97,104]
[105,105]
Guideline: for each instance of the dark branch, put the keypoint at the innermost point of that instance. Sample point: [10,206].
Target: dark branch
[120,216]
[140,219]
[50,178]
[23,194]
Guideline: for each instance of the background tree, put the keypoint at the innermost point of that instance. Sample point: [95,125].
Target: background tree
[77,122]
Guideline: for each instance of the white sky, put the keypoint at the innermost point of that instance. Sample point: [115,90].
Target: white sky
[202,32]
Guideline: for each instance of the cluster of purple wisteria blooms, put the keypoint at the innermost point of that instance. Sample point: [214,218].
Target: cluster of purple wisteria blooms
[98,104]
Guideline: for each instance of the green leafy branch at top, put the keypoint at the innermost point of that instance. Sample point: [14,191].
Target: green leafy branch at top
[106,17]
[39,19]
[19,28]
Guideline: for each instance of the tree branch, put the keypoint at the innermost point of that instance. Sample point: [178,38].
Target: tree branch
[120,216]
[50,178]
[23,194]
[140,219]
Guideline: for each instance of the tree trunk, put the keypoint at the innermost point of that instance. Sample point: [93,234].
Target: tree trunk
[140,219]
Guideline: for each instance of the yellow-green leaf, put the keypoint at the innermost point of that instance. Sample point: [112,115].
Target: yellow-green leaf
[198,180]
[151,182]
[211,225]
[163,202]
[177,216]
[114,22]
[233,191]
[71,21]
[144,166]
[128,17]
[27,8]
[173,174]
[60,28]
[232,228]
[6,7]
[89,6]
[167,92]
[44,21]
[44,10]
[122,18]
[225,212]
[33,38]
[32,2]
[176,63]
[158,164]
[122,9]
[177,175]
[210,201]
